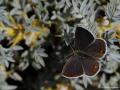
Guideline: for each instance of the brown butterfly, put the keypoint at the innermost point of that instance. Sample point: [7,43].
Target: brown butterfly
[87,52]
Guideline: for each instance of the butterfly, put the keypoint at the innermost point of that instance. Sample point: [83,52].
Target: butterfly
[84,60]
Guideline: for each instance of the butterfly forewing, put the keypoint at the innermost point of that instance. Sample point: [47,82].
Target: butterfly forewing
[73,67]
[83,38]
[97,49]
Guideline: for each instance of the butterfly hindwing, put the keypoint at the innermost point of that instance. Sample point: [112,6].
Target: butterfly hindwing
[90,65]
[73,67]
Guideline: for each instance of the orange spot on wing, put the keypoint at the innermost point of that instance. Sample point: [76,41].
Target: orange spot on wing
[94,67]
[101,50]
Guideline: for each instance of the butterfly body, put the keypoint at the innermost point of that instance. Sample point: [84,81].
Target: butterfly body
[85,57]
